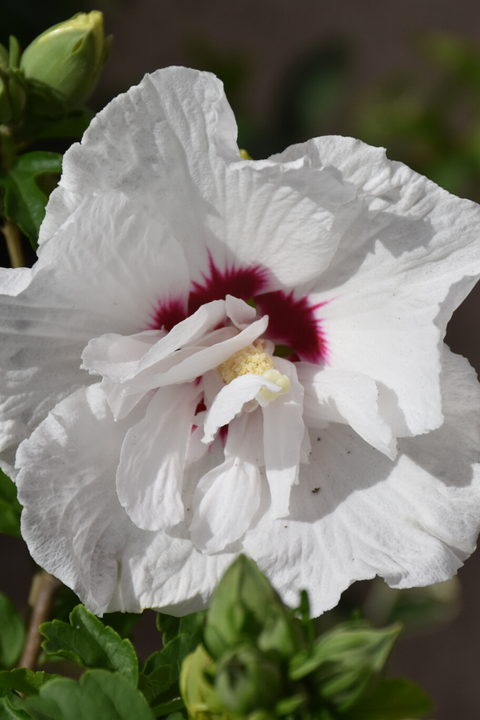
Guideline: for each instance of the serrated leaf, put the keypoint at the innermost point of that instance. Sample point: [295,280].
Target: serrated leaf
[24,200]
[10,508]
[88,642]
[171,657]
[99,695]
[12,636]
[24,680]
[156,683]
[172,654]
[391,700]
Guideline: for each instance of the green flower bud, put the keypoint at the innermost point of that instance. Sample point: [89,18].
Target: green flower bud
[198,694]
[67,59]
[248,680]
[246,607]
[345,660]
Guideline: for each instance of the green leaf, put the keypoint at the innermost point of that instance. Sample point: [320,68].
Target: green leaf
[25,681]
[24,200]
[12,635]
[10,508]
[172,654]
[100,695]
[72,126]
[187,625]
[391,700]
[9,709]
[88,642]
[163,663]
[154,684]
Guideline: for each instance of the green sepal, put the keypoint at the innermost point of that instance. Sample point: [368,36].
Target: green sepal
[247,679]
[13,52]
[201,699]
[10,508]
[24,200]
[99,695]
[245,607]
[88,642]
[391,700]
[345,660]
[3,57]
[25,681]
[12,636]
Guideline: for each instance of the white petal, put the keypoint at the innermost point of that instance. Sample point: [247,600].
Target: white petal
[228,496]
[408,256]
[339,396]
[198,363]
[231,399]
[156,144]
[85,283]
[239,312]
[356,514]
[72,521]
[149,476]
[109,354]
[76,528]
[283,429]
[268,224]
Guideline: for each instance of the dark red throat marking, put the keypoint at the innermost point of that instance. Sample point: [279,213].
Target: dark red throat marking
[292,322]
[242,283]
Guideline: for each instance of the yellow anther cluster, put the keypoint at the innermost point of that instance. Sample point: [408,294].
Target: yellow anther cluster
[252,359]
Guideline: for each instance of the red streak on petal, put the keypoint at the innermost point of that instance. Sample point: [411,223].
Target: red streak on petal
[201,407]
[167,315]
[223,434]
[293,322]
[242,283]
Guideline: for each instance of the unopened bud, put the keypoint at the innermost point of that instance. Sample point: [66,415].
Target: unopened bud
[247,680]
[67,58]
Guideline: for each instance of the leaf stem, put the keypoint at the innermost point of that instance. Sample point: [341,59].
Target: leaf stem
[13,237]
[42,593]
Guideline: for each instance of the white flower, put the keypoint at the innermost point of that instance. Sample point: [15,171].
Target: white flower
[169,424]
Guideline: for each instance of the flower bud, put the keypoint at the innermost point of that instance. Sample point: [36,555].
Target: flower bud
[67,58]
[199,696]
[247,680]
[246,607]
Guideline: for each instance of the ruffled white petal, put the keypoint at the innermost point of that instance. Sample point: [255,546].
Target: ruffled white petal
[339,396]
[106,355]
[77,529]
[152,460]
[86,283]
[283,430]
[407,257]
[227,497]
[157,144]
[231,399]
[355,514]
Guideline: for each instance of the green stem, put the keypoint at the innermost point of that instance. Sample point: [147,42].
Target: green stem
[13,237]
[42,593]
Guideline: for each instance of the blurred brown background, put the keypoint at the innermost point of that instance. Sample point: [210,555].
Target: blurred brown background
[402,75]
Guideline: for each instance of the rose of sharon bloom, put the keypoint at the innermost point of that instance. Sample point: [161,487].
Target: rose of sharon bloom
[214,355]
